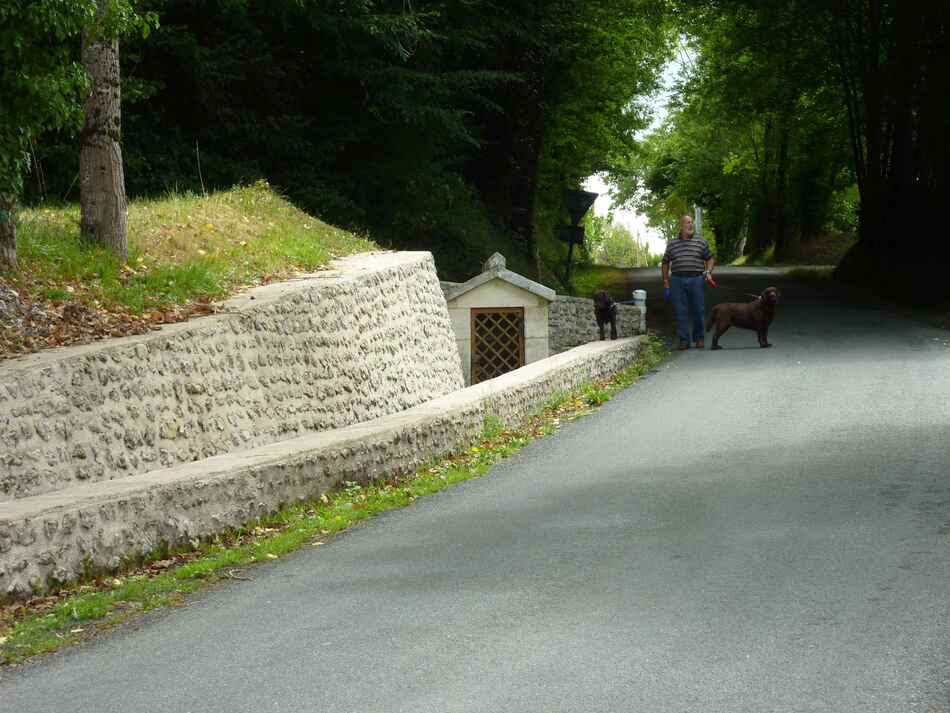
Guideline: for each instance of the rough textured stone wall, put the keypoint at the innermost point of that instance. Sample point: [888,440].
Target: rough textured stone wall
[371,336]
[49,538]
[571,322]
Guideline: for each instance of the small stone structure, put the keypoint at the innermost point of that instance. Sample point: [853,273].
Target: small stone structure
[367,338]
[568,321]
[491,312]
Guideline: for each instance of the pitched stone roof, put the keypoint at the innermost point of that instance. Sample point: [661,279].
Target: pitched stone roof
[495,270]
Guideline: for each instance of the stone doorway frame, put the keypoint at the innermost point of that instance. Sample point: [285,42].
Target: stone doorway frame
[498,345]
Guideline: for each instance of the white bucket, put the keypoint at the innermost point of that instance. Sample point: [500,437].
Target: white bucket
[640,298]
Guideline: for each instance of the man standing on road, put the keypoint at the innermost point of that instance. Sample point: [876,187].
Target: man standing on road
[689,260]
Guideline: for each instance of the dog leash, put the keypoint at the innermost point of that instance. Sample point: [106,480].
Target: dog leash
[712,283]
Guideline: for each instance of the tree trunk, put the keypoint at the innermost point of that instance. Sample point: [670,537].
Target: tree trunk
[743,231]
[101,177]
[785,244]
[7,231]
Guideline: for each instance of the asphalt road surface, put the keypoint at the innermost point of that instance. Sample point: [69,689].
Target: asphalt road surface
[761,530]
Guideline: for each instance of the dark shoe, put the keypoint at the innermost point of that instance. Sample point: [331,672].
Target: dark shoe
[683,346]
[700,344]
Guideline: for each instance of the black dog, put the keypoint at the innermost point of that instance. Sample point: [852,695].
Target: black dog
[756,315]
[605,310]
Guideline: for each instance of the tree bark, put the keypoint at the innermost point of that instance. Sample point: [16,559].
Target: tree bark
[743,231]
[785,243]
[101,176]
[7,231]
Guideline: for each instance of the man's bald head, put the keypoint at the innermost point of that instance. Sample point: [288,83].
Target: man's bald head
[686,225]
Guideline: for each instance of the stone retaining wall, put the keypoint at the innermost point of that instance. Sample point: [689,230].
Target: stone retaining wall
[51,537]
[369,337]
[571,322]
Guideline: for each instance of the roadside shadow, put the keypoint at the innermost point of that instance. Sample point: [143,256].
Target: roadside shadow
[733,349]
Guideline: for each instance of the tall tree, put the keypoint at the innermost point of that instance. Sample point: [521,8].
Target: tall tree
[101,175]
[602,57]
[895,80]
[755,134]
[40,86]
[435,124]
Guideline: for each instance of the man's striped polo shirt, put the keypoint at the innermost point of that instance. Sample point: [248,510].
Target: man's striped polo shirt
[687,257]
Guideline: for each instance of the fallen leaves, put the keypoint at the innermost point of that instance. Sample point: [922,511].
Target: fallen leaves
[161,565]
[44,323]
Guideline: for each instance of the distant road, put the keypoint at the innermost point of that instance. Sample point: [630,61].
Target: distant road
[761,531]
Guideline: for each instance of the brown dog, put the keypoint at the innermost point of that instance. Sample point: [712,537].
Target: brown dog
[756,315]
[605,310]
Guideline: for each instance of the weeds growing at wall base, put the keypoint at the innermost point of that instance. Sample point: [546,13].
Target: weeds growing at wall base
[47,623]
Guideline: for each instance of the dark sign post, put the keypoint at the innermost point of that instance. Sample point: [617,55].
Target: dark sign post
[577,204]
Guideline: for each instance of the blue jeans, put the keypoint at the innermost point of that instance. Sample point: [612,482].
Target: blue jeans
[687,296]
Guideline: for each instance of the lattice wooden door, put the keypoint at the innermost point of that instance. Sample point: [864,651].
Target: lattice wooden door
[497,341]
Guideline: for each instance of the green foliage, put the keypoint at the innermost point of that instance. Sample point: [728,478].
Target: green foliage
[609,243]
[756,135]
[454,126]
[595,395]
[492,427]
[608,55]
[40,82]
[556,399]
[438,125]
[843,209]
[587,279]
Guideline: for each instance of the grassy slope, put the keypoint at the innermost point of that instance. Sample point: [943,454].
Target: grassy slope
[184,252]
[826,249]
[587,279]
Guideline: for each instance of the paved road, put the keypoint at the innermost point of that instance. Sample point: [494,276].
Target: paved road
[747,530]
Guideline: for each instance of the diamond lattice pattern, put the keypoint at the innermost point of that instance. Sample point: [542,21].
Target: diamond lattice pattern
[497,347]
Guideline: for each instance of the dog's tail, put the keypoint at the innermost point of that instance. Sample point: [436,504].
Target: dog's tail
[712,318]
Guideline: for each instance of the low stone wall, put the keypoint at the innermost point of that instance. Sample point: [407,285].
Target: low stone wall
[49,537]
[369,337]
[571,322]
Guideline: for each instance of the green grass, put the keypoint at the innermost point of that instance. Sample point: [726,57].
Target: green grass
[182,249]
[556,400]
[824,250]
[588,279]
[816,274]
[595,395]
[87,608]
[761,260]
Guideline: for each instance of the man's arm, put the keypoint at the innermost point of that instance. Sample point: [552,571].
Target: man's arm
[665,267]
[708,259]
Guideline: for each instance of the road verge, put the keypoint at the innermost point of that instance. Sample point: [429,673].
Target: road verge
[165,576]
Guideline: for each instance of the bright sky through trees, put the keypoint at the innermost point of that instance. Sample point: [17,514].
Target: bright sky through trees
[633,221]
